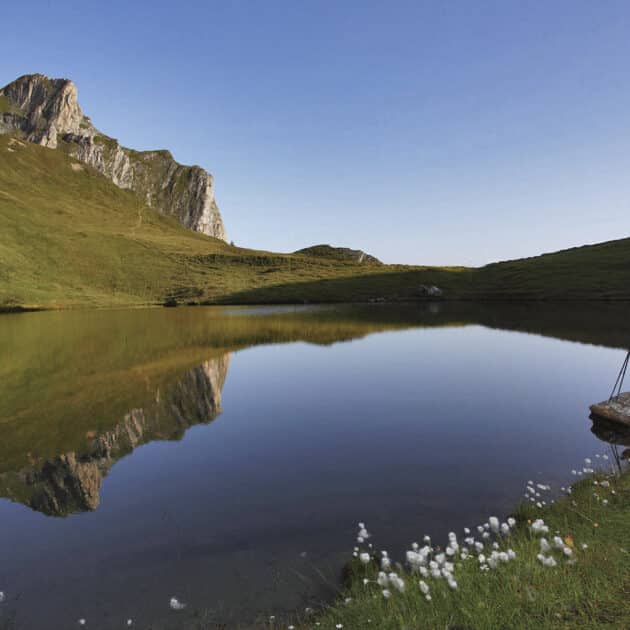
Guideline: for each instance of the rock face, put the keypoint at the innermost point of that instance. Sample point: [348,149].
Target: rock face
[71,482]
[46,111]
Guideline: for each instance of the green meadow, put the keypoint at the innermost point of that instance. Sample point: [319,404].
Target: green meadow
[70,238]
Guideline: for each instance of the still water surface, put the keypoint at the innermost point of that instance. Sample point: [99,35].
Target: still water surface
[224,456]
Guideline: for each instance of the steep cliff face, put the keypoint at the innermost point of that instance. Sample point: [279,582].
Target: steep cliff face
[72,481]
[46,111]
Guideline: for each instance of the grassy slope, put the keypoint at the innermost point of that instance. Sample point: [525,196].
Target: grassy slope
[593,593]
[71,238]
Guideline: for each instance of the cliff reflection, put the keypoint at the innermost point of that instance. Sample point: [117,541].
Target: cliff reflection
[71,482]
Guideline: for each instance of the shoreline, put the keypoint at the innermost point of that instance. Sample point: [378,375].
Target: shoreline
[12,310]
[562,565]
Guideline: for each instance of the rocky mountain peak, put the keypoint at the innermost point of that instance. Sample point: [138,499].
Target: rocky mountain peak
[46,111]
[43,108]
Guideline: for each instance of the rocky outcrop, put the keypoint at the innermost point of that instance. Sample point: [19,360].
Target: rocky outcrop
[71,482]
[46,111]
[340,253]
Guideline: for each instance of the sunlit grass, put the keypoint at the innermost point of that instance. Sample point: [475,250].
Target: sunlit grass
[70,238]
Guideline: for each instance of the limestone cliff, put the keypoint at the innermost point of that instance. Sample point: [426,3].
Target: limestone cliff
[72,481]
[46,111]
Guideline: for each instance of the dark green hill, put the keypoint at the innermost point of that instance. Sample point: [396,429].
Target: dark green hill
[340,253]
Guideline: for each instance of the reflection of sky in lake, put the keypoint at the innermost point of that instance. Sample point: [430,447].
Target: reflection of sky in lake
[413,432]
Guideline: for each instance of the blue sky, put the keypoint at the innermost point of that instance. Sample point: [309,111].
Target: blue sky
[438,132]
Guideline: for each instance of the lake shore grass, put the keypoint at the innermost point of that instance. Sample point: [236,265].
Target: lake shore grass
[588,586]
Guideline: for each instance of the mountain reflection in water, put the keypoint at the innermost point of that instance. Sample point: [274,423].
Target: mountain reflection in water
[71,482]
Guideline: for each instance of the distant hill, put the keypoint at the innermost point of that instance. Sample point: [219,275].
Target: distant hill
[340,253]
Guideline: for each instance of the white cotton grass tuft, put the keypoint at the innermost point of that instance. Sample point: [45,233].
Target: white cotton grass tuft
[81,621]
[2,597]
[386,593]
[175,604]
[547,561]
[493,522]
[539,527]
[424,587]
[397,582]
[364,558]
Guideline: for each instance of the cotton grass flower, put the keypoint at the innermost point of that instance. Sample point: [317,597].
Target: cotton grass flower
[545,547]
[424,587]
[81,622]
[397,582]
[539,527]
[382,579]
[175,604]
[493,522]
[386,594]
[2,597]
[364,558]
[547,561]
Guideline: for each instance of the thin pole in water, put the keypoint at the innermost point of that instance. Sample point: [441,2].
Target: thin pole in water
[620,377]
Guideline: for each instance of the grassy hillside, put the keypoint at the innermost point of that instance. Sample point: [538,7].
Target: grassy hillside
[69,237]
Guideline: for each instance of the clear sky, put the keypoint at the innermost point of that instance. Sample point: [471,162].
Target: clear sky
[437,132]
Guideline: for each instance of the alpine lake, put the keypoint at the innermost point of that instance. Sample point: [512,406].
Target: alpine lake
[225,455]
